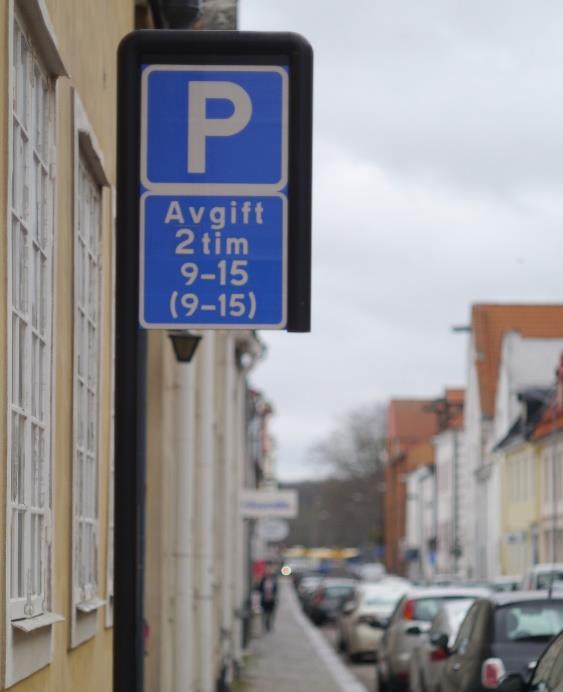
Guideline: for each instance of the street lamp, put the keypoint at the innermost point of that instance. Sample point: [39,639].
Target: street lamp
[185,345]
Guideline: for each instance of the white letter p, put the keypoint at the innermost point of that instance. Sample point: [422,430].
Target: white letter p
[200,127]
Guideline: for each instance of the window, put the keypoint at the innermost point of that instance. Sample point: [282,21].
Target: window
[466,630]
[29,338]
[87,312]
[30,241]
[528,621]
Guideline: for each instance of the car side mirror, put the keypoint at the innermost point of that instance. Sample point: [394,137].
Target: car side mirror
[414,630]
[512,683]
[440,640]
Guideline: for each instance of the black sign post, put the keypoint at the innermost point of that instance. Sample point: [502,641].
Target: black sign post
[287,52]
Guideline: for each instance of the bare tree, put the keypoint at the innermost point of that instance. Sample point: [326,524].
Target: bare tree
[355,448]
[346,507]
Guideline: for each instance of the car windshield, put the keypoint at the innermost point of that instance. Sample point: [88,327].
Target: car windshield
[547,579]
[456,612]
[385,601]
[339,590]
[525,621]
[425,609]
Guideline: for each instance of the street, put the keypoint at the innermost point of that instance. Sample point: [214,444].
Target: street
[364,670]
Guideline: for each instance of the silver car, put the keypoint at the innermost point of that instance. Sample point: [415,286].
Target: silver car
[429,655]
[541,577]
[410,620]
[364,618]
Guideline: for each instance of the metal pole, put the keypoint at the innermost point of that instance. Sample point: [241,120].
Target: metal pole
[130,404]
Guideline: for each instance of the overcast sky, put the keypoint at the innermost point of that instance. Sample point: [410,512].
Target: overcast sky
[438,182]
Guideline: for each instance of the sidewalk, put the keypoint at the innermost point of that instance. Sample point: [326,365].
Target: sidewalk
[294,657]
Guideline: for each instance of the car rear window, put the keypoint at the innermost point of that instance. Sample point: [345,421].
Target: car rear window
[336,591]
[528,621]
[382,601]
[545,580]
[425,609]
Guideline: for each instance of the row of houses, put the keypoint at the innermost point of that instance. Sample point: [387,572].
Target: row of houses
[207,430]
[474,477]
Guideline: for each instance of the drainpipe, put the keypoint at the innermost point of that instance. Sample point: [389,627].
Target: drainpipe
[206,544]
[183,553]
[239,523]
[230,499]
[455,505]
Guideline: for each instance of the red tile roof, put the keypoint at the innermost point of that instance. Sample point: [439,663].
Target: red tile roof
[489,323]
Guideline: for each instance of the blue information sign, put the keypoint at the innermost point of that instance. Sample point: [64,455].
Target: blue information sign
[214,159]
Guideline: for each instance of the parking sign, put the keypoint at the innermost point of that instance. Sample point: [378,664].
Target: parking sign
[214,162]
[224,181]
[218,126]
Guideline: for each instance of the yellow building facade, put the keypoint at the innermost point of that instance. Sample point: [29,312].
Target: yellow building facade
[57,197]
[57,200]
[520,506]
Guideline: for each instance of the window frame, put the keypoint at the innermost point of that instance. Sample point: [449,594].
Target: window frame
[85,597]
[25,654]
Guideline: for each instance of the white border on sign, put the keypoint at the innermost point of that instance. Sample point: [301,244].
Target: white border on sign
[210,188]
[218,325]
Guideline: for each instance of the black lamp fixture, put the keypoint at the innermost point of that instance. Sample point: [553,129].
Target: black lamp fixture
[185,345]
[180,14]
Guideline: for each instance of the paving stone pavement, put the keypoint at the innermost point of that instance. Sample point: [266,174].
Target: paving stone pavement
[289,658]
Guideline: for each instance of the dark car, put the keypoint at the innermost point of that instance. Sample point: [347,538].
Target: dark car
[328,598]
[548,674]
[502,634]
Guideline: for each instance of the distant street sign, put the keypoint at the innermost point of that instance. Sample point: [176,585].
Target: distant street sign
[224,189]
[255,504]
[273,530]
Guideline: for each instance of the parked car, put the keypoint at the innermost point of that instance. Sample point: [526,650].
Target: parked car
[306,589]
[370,571]
[328,598]
[548,674]
[412,618]
[502,634]
[428,657]
[542,576]
[364,617]
[506,583]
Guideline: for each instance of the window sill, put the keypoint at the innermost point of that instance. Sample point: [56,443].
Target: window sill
[37,622]
[91,605]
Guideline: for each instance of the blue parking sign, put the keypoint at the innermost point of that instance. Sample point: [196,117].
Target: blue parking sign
[214,163]
[213,260]
[220,125]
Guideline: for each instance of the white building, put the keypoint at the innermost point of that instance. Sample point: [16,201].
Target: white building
[497,369]
[451,502]
[421,523]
